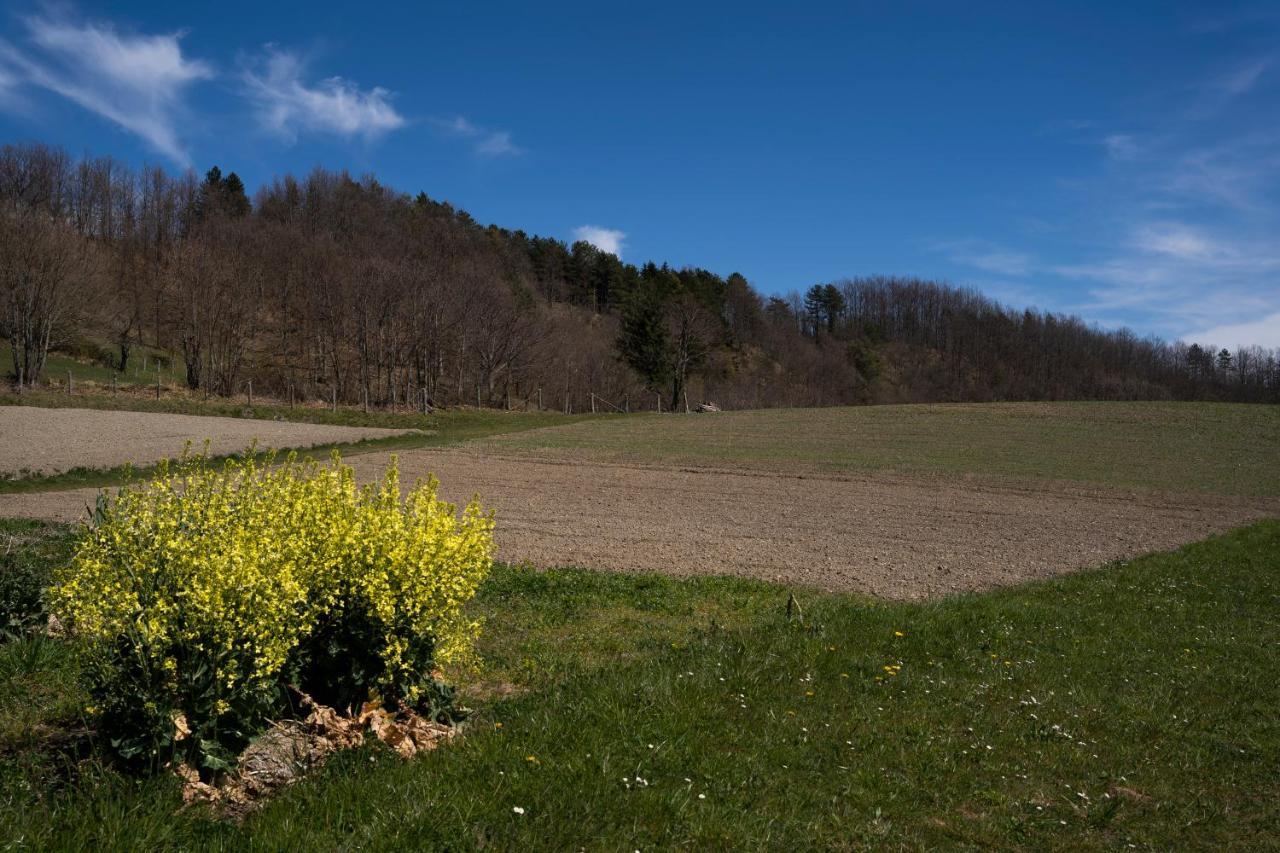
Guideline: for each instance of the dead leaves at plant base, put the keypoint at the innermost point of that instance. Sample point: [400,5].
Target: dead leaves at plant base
[290,748]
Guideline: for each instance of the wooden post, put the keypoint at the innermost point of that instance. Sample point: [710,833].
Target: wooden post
[335,397]
[70,389]
[593,402]
[626,402]
[478,397]
[250,392]
[659,396]
[157,383]
[539,398]
[291,395]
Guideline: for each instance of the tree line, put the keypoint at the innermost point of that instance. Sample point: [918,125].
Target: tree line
[342,289]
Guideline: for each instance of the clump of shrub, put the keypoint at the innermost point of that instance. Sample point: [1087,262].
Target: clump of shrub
[202,596]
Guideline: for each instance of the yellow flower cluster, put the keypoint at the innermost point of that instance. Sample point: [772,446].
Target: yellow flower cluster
[228,568]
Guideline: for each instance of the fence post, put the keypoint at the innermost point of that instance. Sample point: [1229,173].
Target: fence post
[593,402]
[70,388]
[626,402]
[335,396]
[539,398]
[157,383]
[250,392]
[658,394]
[291,395]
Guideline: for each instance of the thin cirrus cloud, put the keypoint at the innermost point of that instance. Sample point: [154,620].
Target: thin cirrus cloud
[608,240]
[136,81]
[287,104]
[485,143]
[1264,332]
[1176,236]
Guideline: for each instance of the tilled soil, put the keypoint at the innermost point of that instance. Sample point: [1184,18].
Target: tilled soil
[47,441]
[880,534]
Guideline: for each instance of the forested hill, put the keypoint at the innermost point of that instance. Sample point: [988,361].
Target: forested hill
[328,285]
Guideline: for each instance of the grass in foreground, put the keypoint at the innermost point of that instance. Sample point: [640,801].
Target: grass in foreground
[439,429]
[1134,705]
[1221,448]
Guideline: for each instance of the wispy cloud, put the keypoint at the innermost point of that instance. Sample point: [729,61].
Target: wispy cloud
[1239,172]
[1182,277]
[985,256]
[1121,146]
[1242,78]
[288,105]
[486,143]
[1263,332]
[135,81]
[1174,232]
[605,239]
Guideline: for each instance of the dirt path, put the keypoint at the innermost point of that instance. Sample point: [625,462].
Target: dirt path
[886,535]
[47,441]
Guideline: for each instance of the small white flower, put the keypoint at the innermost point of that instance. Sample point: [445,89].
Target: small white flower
[702,796]
[517,809]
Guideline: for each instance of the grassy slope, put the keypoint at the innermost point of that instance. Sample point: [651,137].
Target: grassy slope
[1211,447]
[1134,706]
[438,430]
[58,365]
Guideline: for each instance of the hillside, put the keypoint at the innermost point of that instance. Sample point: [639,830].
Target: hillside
[329,288]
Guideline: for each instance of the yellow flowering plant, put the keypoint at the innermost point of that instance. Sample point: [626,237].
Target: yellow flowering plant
[200,595]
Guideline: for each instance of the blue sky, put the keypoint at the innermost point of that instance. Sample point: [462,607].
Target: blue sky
[1116,160]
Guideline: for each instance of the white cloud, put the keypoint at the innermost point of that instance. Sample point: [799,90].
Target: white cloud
[1243,77]
[496,144]
[605,239]
[1264,332]
[287,105]
[487,143]
[1177,241]
[1120,146]
[986,256]
[1238,173]
[136,81]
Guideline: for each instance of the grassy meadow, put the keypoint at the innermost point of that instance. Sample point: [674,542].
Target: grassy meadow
[1131,706]
[1221,448]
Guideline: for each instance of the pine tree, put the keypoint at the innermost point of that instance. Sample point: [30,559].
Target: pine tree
[235,200]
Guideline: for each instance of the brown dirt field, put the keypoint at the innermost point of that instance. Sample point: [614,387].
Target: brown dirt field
[881,534]
[47,441]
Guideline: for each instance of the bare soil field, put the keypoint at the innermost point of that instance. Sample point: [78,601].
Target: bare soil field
[884,534]
[48,441]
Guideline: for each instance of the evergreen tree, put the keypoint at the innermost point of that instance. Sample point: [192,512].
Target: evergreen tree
[235,200]
[643,342]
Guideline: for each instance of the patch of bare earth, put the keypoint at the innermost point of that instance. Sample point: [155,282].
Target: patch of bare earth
[881,534]
[47,441]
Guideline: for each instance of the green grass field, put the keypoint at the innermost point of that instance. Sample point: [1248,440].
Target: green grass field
[1210,447]
[1130,706]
